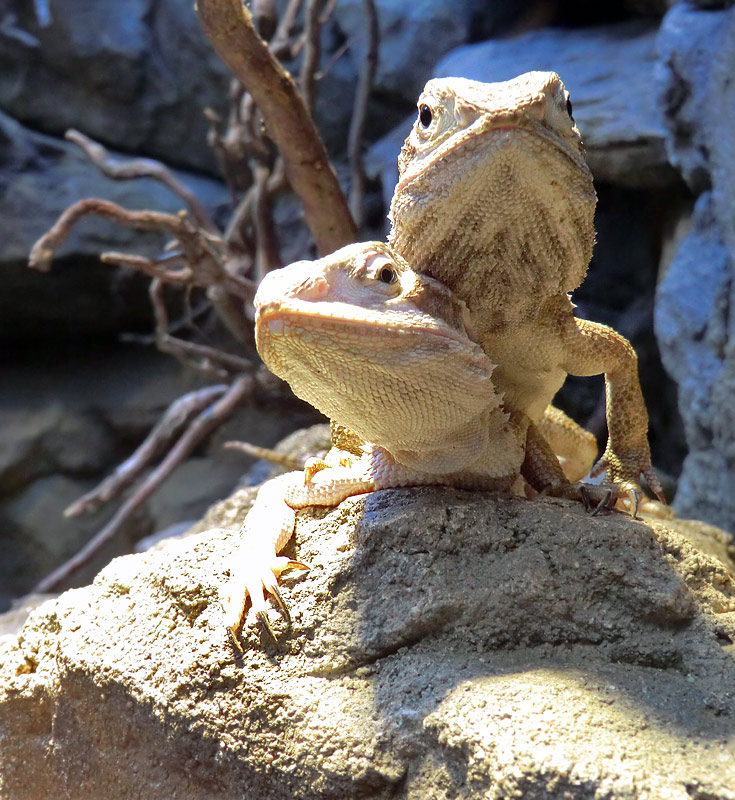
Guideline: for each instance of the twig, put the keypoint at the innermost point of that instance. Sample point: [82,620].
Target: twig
[170,424]
[206,360]
[143,264]
[141,168]
[43,249]
[312,52]
[204,253]
[228,26]
[244,211]
[328,10]
[280,44]
[267,256]
[202,426]
[359,113]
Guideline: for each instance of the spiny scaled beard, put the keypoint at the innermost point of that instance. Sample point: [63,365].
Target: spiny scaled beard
[498,222]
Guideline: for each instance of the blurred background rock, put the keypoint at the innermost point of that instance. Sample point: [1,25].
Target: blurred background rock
[653,89]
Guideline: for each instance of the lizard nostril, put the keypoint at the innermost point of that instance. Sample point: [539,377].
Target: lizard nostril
[315,288]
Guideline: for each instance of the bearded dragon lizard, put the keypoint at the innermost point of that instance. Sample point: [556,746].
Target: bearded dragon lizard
[495,200]
[388,354]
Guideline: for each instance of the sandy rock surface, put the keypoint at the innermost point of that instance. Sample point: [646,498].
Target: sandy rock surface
[445,644]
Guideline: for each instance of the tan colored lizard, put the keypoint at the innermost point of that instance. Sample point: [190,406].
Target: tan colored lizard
[495,199]
[386,353]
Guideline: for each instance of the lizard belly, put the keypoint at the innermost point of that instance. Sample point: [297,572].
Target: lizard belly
[528,371]
[529,391]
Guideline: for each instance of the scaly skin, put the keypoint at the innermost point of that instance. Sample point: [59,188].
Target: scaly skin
[385,353]
[495,200]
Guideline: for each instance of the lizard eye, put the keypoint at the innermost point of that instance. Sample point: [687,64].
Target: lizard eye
[387,275]
[569,109]
[425,116]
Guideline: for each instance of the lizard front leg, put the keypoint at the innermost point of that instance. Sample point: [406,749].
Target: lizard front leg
[269,526]
[591,349]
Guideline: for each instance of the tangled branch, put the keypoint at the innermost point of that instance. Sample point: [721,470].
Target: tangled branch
[269,141]
[228,26]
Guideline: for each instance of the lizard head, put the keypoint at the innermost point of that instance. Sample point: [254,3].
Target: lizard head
[494,195]
[375,346]
[456,111]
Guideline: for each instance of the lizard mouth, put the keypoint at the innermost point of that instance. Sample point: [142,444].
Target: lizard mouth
[476,140]
[311,321]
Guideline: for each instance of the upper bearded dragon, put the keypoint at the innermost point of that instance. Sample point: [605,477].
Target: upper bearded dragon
[495,200]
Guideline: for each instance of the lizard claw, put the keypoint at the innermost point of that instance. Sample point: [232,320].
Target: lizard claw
[254,581]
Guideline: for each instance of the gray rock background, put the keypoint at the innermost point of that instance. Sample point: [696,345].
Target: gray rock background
[649,95]
[695,312]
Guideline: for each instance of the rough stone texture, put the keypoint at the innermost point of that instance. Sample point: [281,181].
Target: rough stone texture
[39,177]
[36,538]
[696,301]
[135,74]
[445,644]
[608,71]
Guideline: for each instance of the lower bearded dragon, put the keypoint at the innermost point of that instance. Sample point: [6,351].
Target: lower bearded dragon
[387,354]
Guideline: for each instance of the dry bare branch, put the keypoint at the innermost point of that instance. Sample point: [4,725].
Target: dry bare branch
[204,254]
[267,256]
[148,266]
[359,113]
[228,26]
[280,44]
[205,422]
[43,250]
[141,168]
[312,51]
[167,428]
[208,361]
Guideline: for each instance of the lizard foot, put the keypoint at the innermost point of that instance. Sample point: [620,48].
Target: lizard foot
[254,581]
[625,473]
[597,497]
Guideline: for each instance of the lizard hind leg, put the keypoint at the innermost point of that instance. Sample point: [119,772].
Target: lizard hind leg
[541,467]
[543,471]
[575,447]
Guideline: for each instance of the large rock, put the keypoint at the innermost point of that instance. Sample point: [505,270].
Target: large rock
[693,307]
[695,303]
[39,177]
[608,71]
[135,74]
[414,36]
[696,64]
[444,644]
